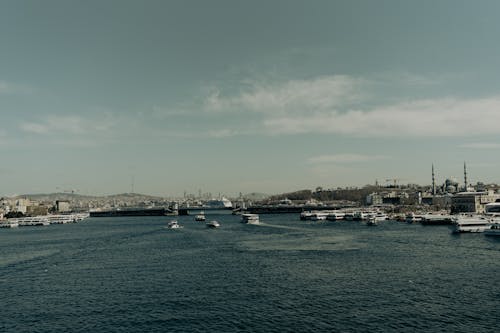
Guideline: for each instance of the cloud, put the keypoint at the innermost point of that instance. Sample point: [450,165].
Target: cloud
[73,125]
[8,88]
[344,158]
[481,145]
[302,96]
[222,133]
[429,118]
[35,128]
[347,105]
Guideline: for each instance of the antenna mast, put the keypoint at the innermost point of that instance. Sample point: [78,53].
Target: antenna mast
[465,177]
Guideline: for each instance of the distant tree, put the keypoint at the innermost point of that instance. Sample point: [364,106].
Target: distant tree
[11,215]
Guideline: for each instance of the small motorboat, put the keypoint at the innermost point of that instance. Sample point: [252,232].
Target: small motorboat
[173,225]
[200,217]
[213,224]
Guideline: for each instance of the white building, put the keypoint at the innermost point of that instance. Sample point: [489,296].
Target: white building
[472,202]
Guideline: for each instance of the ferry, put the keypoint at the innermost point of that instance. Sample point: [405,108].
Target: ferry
[305,215]
[222,203]
[436,219]
[8,224]
[61,219]
[250,218]
[319,216]
[31,221]
[379,216]
[335,216]
[492,209]
[412,217]
[471,223]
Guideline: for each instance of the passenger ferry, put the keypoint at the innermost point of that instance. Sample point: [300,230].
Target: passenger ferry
[492,209]
[61,219]
[250,218]
[8,224]
[31,221]
[436,219]
[335,216]
[471,223]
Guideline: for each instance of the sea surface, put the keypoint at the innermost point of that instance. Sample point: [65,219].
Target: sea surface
[131,274]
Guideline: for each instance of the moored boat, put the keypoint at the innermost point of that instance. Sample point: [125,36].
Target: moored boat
[31,221]
[61,219]
[494,230]
[8,224]
[335,216]
[471,223]
[371,221]
[436,219]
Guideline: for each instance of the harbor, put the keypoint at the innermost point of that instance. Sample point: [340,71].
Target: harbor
[324,267]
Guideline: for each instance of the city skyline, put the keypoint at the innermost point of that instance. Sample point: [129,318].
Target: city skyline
[236,96]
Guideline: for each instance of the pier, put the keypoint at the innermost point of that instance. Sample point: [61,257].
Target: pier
[284,209]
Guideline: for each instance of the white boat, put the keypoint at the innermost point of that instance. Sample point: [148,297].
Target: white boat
[436,219]
[494,230]
[306,215]
[80,216]
[335,216]
[213,224]
[173,225]
[315,215]
[471,223]
[371,221]
[31,221]
[360,215]
[492,209]
[200,217]
[250,218]
[319,216]
[380,216]
[8,224]
[412,217]
[222,203]
[61,219]
[349,216]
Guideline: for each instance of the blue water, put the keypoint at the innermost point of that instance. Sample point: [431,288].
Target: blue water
[285,275]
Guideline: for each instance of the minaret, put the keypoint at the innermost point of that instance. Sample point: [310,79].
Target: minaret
[465,177]
[433,182]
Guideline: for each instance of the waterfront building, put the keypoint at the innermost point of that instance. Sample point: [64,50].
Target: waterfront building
[21,205]
[62,206]
[472,202]
[374,199]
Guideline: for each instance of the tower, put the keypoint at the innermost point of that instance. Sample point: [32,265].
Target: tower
[465,177]
[433,182]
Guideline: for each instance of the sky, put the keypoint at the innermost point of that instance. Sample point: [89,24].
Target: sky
[230,96]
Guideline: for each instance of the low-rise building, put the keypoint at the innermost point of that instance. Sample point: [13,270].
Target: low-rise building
[62,206]
[472,202]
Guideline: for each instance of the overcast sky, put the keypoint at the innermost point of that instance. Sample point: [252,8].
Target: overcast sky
[246,96]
